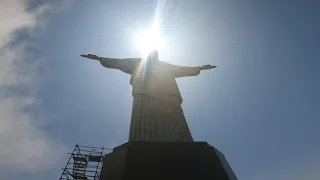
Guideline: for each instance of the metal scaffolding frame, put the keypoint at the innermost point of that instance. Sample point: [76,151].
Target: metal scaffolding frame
[85,163]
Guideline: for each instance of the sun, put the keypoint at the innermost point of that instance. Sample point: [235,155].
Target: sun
[149,40]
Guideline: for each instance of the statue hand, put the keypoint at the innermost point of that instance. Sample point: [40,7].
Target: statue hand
[91,56]
[206,67]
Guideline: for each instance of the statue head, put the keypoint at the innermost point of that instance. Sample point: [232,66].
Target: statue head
[153,56]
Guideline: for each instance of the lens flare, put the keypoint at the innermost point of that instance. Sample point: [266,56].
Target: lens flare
[149,40]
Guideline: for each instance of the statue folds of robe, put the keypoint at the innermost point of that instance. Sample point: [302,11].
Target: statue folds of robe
[156,113]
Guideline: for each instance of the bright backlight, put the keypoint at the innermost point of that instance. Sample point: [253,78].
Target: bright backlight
[149,40]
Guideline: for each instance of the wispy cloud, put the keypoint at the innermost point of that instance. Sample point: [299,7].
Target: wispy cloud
[22,140]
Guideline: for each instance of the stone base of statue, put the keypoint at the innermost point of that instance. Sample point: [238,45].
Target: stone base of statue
[166,161]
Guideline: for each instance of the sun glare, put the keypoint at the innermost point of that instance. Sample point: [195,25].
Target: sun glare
[149,40]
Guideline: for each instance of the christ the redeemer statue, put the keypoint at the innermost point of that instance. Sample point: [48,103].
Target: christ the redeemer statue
[156,113]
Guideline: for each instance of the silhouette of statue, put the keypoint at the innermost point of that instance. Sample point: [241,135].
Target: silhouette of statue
[156,113]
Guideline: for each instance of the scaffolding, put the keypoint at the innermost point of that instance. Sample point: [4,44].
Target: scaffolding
[85,163]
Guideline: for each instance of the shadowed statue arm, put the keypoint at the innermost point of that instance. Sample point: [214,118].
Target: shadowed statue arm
[127,65]
[182,71]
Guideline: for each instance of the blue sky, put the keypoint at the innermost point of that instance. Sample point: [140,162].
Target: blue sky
[260,107]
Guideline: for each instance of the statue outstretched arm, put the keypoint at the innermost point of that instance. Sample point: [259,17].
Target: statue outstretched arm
[182,71]
[127,65]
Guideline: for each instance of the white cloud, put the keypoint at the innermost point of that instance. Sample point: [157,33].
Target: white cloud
[23,143]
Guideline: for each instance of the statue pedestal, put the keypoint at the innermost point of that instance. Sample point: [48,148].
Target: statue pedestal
[166,161]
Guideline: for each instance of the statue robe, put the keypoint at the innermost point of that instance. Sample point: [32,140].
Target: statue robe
[156,113]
